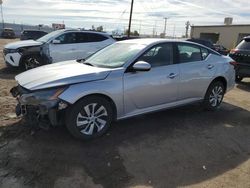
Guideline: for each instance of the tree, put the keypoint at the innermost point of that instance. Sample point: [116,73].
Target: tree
[135,33]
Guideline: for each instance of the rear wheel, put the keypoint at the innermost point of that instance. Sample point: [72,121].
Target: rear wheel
[214,95]
[238,78]
[89,118]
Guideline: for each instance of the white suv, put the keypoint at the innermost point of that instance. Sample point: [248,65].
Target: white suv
[56,46]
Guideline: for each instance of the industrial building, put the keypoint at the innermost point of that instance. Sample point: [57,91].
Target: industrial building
[228,35]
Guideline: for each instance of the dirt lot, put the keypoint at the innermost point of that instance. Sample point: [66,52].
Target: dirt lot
[184,147]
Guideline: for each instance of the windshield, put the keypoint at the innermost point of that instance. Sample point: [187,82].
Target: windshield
[115,55]
[49,36]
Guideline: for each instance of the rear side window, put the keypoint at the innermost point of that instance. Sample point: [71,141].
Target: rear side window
[189,53]
[244,45]
[94,37]
[82,37]
[204,53]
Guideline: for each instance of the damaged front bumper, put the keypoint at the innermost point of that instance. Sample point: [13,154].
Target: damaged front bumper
[39,108]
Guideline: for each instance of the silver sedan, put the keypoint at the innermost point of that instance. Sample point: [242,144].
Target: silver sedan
[123,80]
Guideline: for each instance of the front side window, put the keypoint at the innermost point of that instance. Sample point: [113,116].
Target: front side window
[189,53]
[159,55]
[67,38]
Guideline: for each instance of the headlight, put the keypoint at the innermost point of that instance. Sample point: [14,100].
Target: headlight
[43,95]
[8,51]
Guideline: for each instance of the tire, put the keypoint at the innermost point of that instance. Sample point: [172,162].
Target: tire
[30,62]
[80,122]
[214,95]
[238,78]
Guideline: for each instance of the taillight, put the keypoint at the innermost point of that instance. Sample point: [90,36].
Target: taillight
[234,63]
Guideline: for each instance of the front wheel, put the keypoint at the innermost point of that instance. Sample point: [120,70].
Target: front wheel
[89,118]
[31,62]
[214,95]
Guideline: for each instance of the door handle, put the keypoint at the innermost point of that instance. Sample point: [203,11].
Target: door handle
[210,66]
[172,75]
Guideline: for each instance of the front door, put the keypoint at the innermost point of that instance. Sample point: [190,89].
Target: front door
[66,49]
[157,86]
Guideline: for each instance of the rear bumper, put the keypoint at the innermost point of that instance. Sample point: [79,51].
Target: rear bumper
[243,70]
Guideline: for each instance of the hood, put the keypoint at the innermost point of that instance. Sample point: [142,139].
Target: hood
[59,74]
[25,43]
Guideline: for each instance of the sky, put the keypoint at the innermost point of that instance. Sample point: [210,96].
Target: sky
[114,14]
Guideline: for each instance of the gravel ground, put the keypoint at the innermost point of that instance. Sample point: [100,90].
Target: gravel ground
[184,147]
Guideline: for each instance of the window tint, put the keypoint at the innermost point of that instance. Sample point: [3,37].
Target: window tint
[189,53]
[204,53]
[94,37]
[159,55]
[82,37]
[67,38]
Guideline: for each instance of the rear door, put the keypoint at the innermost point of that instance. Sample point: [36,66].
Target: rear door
[196,71]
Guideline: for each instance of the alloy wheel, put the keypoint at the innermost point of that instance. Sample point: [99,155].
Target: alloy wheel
[216,96]
[92,119]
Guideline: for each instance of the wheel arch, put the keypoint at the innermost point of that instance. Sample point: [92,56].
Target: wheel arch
[106,97]
[221,79]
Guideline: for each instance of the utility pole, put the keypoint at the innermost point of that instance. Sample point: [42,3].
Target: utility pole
[165,27]
[130,17]
[187,28]
[1,3]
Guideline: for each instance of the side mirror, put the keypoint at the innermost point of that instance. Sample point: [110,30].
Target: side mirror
[56,41]
[141,66]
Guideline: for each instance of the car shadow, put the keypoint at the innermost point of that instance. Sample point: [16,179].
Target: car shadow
[244,86]
[9,72]
[172,148]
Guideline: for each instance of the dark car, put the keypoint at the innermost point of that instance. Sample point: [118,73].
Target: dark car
[32,34]
[221,49]
[204,42]
[8,33]
[241,55]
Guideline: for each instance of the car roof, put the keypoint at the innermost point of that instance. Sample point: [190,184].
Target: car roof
[34,30]
[148,41]
[84,31]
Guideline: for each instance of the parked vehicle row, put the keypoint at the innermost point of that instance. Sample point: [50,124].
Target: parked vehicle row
[8,33]
[125,79]
[217,47]
[241,54]
[32,34]
[56,46]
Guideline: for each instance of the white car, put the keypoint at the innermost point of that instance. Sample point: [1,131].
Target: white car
[56,46]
